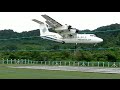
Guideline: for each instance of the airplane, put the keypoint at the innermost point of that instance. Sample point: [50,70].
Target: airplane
[64,33]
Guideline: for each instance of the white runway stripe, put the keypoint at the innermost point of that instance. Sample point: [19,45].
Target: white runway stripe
[72,68]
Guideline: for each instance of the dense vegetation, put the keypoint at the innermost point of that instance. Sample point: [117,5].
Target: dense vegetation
[28,45]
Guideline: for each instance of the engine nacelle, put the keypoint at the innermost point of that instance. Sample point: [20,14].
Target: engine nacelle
[72,30]
[66,29]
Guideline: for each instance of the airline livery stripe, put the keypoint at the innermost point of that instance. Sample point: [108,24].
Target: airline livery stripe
[49,38]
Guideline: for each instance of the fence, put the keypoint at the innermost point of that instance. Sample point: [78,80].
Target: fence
[62,63]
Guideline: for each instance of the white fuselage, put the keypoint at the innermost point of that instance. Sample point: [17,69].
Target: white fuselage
[83,38]
[77,38]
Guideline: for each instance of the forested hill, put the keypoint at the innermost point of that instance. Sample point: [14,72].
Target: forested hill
[110,34]
[28,45]
[6,34]
[108,27]
[30,40]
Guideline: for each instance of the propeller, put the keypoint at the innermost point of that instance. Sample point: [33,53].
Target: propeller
[77,30]
[70,27]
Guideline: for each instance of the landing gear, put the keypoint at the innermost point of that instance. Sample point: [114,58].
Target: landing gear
[75,49]
[95,44]
[75,46]
[63,42]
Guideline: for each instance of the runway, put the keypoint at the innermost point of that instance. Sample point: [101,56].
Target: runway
[72,68]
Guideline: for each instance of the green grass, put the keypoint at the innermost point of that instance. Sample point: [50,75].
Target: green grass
[16,73]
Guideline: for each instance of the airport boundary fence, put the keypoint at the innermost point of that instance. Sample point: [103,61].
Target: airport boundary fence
[62,63]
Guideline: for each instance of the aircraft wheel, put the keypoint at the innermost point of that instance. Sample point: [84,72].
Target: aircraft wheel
[63,42]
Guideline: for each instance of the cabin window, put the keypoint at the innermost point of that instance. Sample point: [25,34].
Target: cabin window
[92,35]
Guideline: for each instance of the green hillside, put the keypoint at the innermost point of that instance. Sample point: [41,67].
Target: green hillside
[28,45]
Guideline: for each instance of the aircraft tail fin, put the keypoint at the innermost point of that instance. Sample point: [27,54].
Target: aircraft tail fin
[43,28]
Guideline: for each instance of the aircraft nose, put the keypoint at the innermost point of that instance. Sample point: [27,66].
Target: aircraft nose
[100,40]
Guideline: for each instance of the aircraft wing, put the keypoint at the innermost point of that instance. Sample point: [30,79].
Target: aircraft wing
[59,28]
[51,22]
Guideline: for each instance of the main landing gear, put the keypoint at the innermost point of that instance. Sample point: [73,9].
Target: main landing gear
[63,42]
[95,44]
[75,49]
[75,46]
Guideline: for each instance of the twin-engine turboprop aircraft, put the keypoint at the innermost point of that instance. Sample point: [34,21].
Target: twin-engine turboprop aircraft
[64,33]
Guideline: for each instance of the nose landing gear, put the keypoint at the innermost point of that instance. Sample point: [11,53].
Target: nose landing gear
[75,49]
[75,46]
[63,42]
[95,44]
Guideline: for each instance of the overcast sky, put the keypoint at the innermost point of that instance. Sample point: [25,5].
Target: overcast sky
[22,21]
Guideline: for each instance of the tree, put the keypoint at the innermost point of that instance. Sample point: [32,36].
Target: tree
[111,57]
[10,47]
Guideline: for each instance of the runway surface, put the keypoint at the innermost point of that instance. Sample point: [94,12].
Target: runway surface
[73,68]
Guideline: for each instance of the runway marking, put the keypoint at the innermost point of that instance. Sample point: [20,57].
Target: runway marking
[73,68]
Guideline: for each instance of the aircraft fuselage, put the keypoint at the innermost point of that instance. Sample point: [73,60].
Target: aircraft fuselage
[78,38]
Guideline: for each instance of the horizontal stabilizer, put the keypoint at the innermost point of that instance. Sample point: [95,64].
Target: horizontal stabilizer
[37,21]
